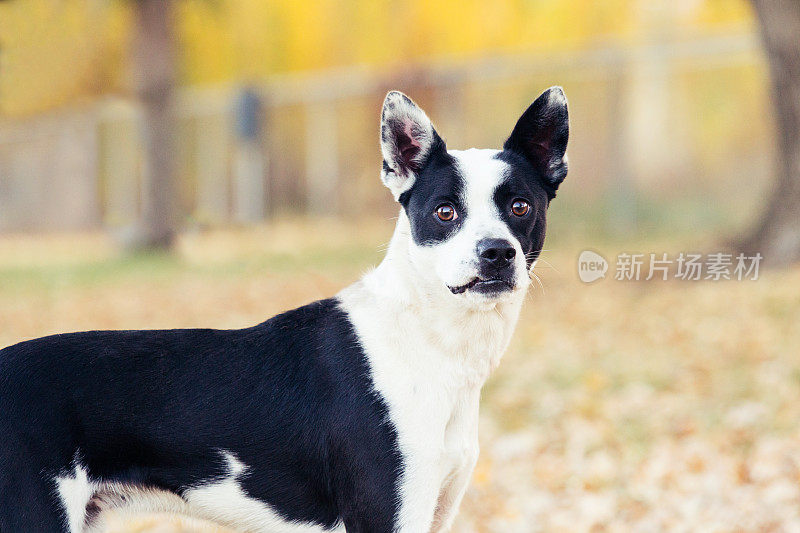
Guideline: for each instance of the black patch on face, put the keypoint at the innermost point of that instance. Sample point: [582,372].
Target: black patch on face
[523,181]
[439,182]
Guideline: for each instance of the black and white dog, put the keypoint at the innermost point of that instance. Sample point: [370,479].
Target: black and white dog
[357,413]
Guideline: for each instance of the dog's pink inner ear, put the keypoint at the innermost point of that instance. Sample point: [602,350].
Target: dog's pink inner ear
[406,136]
[408,145]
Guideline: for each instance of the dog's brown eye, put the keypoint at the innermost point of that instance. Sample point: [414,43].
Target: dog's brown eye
[446,213]
[520,208]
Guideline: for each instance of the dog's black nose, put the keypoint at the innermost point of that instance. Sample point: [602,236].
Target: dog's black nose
[495,253]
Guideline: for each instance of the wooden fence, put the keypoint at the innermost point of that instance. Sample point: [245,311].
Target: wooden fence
[317,150]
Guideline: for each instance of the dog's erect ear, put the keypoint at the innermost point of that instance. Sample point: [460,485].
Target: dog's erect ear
[541,136]
[407,140]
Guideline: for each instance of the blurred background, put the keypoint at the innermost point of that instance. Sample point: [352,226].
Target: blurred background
[271,108]
[212,162]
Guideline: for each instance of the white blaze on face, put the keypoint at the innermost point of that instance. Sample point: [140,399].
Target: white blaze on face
[482,173]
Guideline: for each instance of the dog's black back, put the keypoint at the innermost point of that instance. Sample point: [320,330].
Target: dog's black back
[292,396]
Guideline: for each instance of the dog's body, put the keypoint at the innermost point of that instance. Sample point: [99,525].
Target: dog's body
[355,413]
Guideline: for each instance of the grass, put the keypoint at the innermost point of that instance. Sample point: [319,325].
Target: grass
[620,406]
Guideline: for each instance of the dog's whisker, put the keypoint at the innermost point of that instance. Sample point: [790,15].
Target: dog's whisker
[496,310]
[530,293]
[548,264]
[538,280]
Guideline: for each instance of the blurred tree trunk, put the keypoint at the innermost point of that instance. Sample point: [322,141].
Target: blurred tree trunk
[777,234]
[154,76]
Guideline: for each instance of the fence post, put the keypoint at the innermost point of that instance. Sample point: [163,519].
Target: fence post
[322,158]
[250,166]
[212,145]
[622,194]
[450,110]
[119,161]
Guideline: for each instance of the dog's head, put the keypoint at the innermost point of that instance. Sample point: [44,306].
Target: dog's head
[476,217]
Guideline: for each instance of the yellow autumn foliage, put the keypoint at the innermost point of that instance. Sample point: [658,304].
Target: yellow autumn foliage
[58,51]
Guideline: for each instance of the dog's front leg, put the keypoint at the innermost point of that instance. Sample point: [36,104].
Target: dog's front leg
[451,495]
[419,492]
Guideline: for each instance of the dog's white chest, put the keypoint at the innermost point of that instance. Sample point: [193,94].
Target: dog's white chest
[460,448]
[429,371]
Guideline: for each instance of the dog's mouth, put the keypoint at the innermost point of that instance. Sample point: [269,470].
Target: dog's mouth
[483,286]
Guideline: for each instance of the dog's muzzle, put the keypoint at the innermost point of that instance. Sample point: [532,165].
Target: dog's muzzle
[484,286]
[495,268]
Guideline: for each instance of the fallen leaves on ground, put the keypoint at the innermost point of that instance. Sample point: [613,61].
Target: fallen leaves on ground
[620,406]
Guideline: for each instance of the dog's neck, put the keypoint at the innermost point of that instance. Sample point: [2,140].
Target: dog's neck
[477,334]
